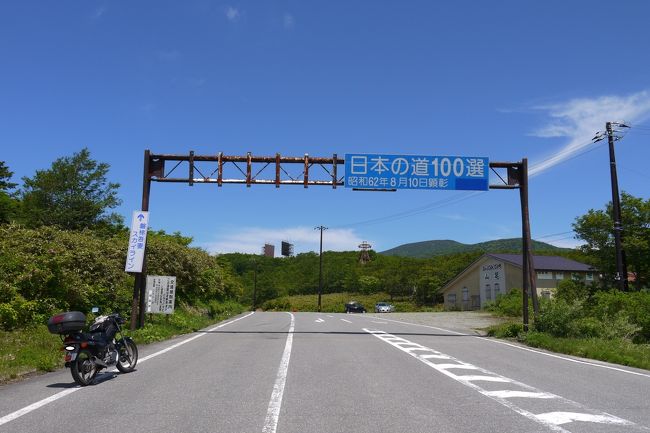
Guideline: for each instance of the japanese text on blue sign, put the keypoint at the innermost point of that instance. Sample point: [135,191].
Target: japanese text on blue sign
[137,241]
[378,171]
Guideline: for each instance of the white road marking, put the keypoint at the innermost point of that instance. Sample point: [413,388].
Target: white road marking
[273,413]
[528,349]
[506,393]
[27,409]
[319,320]
[12,416]
[381,323]
[346,320]
[558,418]
[420,348]
[200,334]
[474,378]
[461,366]
[331,317]
[551,420]
[436,356]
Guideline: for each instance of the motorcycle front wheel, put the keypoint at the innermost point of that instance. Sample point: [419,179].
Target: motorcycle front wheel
[83,368]
[127,357]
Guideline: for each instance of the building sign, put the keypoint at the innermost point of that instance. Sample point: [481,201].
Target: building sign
[379,171]
[137,241]
[492,282]
[160,294]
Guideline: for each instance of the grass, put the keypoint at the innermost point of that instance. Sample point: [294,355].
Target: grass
[33,350]
[28,351]
[335,302]
[617,351]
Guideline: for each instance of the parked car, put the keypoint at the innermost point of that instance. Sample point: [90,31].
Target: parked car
[384,307]
[354,307]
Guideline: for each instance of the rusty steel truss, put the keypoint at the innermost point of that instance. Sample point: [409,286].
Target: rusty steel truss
[248,170]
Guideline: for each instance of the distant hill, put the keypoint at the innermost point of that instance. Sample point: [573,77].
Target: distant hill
[442,247]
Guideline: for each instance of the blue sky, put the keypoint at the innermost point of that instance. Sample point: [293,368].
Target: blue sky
[505,80]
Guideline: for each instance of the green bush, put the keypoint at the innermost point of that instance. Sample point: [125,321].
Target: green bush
[635,305]
[218,309]
[570,291]
[556,316]
[278,304]
[47,270]
[506,330]
[8,317]
[619,327]
[508,305]
[585,327]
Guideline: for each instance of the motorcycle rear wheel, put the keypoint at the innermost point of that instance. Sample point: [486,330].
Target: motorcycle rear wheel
[83,368]
[127,357]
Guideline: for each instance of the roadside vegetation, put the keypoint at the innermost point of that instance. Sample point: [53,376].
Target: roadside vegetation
[335,302]
[61,249]
[32,349]
[609,326]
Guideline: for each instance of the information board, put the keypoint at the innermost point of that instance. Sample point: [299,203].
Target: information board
[161,291]
[381,171]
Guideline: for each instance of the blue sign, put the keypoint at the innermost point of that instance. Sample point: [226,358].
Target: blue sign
[379,171]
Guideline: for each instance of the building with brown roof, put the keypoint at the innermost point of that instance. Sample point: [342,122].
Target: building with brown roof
[494,274]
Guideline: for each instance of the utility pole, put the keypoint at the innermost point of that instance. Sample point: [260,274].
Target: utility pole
[255,286]
[320,272]
[621,268]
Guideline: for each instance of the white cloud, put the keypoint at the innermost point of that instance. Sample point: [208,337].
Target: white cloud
[251,240]
[288,21]
[99,12]
[233,14]
[148,109]
[580,119]
[565,243]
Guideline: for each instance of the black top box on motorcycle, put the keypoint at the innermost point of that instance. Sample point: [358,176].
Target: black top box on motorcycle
[64,323]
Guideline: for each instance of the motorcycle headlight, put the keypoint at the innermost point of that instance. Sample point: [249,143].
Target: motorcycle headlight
[69,348]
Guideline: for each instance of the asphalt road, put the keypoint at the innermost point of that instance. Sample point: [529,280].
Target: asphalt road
[312,372]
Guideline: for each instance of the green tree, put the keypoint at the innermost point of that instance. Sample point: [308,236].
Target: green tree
[8,203]
[5,178]
[73,194]
[596,229]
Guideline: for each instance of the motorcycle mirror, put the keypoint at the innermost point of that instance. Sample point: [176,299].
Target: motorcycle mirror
[94,310]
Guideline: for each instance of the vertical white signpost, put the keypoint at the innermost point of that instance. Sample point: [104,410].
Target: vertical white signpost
[161,291]
[137,241]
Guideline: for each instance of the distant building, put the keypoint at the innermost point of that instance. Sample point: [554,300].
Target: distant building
[268,250]
[494,274]
[286,249]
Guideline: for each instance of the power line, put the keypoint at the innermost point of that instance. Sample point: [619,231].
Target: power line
[553,234]
[457,199]
[415,211]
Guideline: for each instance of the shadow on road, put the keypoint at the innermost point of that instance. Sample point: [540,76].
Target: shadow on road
[100,378]
[418,334]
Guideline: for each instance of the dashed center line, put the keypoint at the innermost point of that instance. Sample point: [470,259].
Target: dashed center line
[513,390]
[347,321]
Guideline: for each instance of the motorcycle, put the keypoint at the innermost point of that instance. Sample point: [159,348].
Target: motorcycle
[87,353]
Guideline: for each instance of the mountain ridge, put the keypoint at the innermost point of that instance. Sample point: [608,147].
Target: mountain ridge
[432,248]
